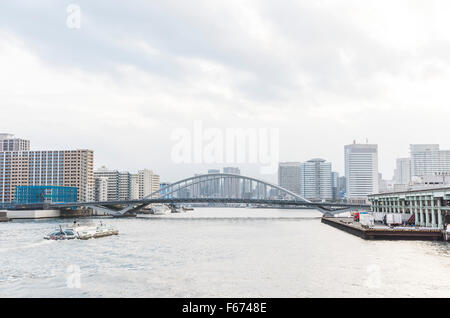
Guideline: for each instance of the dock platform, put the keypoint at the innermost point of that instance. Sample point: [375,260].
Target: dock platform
[384,233]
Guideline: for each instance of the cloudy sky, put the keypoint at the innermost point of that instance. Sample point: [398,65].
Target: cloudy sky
[324,72]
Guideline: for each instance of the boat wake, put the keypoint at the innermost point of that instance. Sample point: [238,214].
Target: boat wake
[26,246]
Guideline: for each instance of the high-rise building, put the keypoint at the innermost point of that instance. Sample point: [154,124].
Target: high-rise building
[361,171]
[335,185]
[112,177]
[231,185]
[289,176]
[315,180]
[124,185]
[134,187]
[10,143]
[402,172]
[148,183]
[342,187]
[68,168]
[101,189]
[427,159]
[213,187]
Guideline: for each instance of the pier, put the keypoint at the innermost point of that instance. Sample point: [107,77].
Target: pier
[383,233]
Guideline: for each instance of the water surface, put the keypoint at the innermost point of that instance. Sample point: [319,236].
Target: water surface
[220,252]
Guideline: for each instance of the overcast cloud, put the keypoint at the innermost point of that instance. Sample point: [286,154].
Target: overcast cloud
[324,72]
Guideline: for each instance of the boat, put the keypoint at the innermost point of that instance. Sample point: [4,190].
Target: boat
[184,208]
[81,232]
[161,209]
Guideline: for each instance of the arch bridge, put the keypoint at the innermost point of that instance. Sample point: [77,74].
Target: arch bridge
[219,188]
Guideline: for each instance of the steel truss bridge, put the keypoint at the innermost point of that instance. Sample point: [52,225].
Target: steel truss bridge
[213,188]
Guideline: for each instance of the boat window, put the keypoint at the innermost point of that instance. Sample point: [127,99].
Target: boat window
[69,232]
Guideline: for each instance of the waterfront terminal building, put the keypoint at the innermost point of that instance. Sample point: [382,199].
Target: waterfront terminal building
[45,194]
[428,207]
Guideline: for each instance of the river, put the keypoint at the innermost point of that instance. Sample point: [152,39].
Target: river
[218,252]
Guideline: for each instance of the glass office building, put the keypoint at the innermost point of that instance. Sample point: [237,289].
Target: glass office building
[45,194]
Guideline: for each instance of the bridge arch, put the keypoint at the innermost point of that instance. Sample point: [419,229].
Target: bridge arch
[207,178]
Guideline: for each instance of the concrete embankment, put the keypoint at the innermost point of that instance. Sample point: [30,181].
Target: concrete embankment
[383,233]
[46,214]
[78,213]
[3,217]
[32,214]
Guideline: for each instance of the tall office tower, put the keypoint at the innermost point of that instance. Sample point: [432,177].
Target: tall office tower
[342,185]
[201,188]
[213,187]
[148,183]
[335,185]
[9,143]
[69,168]
[289,176]
[315,180]
[402,172]
[231,185]
[101,189]
[196,189]
[361,171]
[427,159]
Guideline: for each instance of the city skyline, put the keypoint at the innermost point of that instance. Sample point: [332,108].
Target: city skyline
[250,169]
[247,168]
[322,74]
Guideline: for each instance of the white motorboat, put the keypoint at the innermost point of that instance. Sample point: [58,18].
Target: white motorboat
[82,232]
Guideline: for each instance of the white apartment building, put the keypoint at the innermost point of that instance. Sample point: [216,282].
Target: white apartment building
[101,189]
[361,171]
[148,183]
[427,159]
[112,177]
[134,187]
[127,186]
[10,143]
[315,180]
